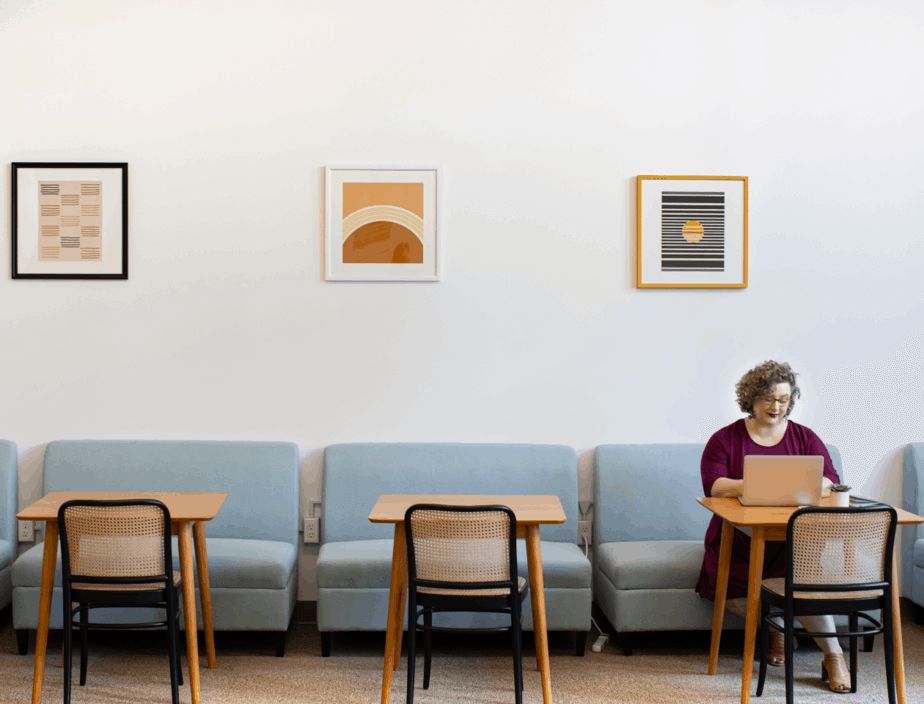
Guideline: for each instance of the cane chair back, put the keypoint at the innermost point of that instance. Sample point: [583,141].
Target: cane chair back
[470,547]
[839,549]
[109,543]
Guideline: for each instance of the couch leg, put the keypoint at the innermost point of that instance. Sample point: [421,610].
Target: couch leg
[281,644]
[918,613]
[580,643]
[624,643]
[22,640]
[868,643]
[325,643]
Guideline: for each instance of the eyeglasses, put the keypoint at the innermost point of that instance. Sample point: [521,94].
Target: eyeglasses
[784,401]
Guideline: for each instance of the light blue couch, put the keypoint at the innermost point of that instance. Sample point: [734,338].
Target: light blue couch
[648,538]
[9,464]
[913,536]
[251,543]
[354,563]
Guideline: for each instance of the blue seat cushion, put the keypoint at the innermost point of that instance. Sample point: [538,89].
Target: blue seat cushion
[6,553]
[656,564]
[366,564]
[233,564]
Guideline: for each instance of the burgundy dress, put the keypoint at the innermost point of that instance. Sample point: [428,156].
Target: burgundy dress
[724,457]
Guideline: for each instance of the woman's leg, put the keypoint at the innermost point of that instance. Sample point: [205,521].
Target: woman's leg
[821,624]
[818,624]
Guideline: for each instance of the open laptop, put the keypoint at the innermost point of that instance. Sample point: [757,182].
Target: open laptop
[782,480]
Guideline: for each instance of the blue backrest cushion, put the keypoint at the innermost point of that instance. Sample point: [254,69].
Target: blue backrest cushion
[261,478]
[649,492]
[9,465]
[355,475]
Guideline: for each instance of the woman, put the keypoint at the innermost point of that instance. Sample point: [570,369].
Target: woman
[767,394]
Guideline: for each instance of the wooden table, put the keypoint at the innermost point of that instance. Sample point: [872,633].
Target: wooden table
[768,523]
[188,511]
[530,512]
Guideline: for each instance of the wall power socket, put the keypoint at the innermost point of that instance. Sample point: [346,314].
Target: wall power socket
[312,530]
[26,531]
[585,532]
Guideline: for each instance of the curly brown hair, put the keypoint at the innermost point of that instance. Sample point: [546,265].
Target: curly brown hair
[758,383]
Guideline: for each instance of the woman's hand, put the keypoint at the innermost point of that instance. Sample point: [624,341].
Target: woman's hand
[724,487]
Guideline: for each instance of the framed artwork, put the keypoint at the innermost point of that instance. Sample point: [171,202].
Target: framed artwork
[381,224]
[69,220]
[692,232]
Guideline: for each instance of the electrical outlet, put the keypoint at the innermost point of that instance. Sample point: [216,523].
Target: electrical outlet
[312,530]
[585,531]
[26,531]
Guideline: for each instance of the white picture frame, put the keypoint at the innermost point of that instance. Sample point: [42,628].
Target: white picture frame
[381,224]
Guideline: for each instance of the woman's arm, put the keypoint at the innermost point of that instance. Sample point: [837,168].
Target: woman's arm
[714,467]
[727,487]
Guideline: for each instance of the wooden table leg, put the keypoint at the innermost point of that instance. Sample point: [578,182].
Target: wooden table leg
[49,561]
[898,652]
[721,590]
[753,614]
[205,596]
[396,596]
[537,598]
[189,609]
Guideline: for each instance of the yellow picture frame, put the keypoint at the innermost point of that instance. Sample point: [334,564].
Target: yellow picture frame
[692,232]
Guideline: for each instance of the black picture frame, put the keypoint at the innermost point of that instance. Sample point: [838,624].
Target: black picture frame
[24,261]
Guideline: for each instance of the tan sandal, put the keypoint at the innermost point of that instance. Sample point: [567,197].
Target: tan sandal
[777,657]
[834,670]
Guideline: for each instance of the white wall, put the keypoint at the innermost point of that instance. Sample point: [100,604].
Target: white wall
[539,115]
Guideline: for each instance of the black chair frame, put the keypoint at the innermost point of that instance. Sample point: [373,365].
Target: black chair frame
[86,599]
[430,604]
[787,607]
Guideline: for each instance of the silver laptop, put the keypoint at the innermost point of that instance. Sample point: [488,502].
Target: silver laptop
[782,480]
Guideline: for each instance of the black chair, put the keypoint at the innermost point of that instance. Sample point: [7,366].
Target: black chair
[117,554]
[462,558]
[838,561]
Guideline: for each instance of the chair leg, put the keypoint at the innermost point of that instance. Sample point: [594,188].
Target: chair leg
[428,648]
[787,644]
[887,643]
[84,620]
[764,649]
[517,651]
[325,644]
[918,613]
[580,643]
[179,642]
[172,650]
[411,642]
[853,624]
[281,644]
[868,642]
[68,634]
[22,640]
[625,643]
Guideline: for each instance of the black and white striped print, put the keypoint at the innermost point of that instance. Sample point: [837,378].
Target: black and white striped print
[679,253]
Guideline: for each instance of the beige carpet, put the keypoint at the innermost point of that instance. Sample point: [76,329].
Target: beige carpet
[665,668]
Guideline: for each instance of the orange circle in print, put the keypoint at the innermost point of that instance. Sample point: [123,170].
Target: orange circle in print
[692,231]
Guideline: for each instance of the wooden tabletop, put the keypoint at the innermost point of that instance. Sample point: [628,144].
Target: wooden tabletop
[183,505]
[390,508]
[732,511]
